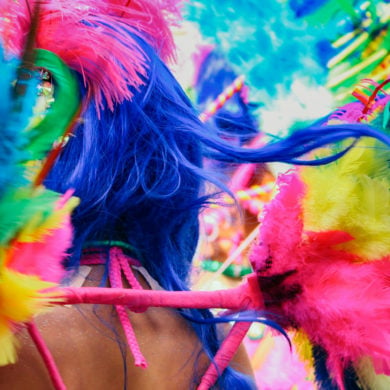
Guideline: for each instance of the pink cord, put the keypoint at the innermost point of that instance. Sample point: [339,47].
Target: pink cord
[139,359]
[127,271]
[225,354]
[115,276]
[46,356]
[131,279]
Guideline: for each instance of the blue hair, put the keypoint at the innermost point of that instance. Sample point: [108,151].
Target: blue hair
[138,172]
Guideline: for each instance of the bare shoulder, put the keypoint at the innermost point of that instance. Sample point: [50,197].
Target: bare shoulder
[58,330]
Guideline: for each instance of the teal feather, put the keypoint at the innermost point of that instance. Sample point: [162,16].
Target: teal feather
[275,42]
[15,114]
[262,41]
[21,142]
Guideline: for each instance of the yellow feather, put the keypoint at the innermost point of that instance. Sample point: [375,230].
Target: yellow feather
[352,195]
[303,348]
[8,344]
[21,297]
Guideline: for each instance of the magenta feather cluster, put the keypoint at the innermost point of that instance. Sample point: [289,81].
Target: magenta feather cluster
[340,301]
[93,39]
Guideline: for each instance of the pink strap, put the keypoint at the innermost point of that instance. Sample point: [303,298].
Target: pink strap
[126,269]
[238,298]
[46,356]
[225,354]
[118,264]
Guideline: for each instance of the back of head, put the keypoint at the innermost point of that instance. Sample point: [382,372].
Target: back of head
[137,171]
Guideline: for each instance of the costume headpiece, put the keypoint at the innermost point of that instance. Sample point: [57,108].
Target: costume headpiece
[89,38]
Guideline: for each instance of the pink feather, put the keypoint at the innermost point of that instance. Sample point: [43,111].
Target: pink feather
[273,223]
[341,302]
[92,38]
[44,258]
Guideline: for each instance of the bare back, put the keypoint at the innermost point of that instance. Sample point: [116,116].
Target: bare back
[88,344]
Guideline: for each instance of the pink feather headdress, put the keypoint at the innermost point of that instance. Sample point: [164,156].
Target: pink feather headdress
[92,37]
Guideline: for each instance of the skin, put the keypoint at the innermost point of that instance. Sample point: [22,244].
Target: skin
[88,356]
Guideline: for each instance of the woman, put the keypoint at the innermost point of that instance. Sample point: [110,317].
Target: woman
[135,161]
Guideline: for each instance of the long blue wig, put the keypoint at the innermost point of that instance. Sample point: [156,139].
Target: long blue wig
[138,172]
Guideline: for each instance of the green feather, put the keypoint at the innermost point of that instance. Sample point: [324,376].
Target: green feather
[67,102]
[19,205]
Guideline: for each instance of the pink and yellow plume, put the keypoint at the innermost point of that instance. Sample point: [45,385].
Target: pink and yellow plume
[323,259]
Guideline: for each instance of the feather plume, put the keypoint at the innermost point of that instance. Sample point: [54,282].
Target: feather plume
[21,298]
[249,34]
[340,302]
[42,243]
[358,202]
[57,120]
[323,259]
[10,147]
[18,206]
[93,39]
[35,229]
